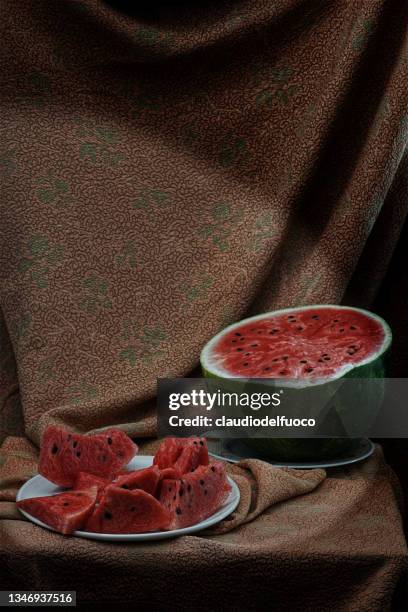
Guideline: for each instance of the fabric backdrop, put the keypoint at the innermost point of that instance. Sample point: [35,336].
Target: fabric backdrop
[166,169]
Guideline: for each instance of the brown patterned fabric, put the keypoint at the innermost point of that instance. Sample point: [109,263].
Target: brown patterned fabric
[167,168]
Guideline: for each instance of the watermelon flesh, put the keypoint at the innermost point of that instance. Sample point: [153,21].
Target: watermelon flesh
[309,343]
[64,455]
[196,496]
[146,479]
[86,481]
[125,511]
[65,512]
[182,454]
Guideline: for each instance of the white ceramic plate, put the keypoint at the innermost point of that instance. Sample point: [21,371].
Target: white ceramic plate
[234,450]
[39,486]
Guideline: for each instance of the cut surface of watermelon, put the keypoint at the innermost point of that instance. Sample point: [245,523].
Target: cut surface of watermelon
[124,511]
[146,479]
[65,512]
[182,454]
[63,455]
[86,481]
[196,496]
[308,344]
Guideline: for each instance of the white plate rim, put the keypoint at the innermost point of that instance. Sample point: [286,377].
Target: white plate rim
[138,462]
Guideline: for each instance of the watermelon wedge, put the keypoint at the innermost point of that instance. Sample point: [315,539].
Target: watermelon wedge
[182,454]
[302,348]
[124,511]
[85,481]
[63,455]
[65,512]
[146,479]
[196,496]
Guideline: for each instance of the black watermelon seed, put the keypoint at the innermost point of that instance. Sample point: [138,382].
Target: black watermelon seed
[246,363]
[195,442]
[341,329]
[212,468]
[174,498]
[326,358]
[353,327]
[285,357]
[335,320]
[320,360]
[66,504]
[132,509]
[299,328]
[233,340]
[239,349]
[54,449]
[202,482]
[351,351]
[178,510]
[246,354]
[309,369]
[170,488]
[189,488]
[125,486]
[75,444]
[78,454]
[201,443]
[303,361]
[283,372]
[276,359]
[267,368]
[107,515]
[315,316]
[109,440]
[254,345]
[181,492]
[237,334]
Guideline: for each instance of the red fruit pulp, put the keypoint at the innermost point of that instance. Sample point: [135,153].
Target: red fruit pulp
[309,343]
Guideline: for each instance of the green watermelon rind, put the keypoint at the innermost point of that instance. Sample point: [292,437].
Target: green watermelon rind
[300,449]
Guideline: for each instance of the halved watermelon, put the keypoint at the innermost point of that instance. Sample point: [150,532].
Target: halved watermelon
[65,512]
[63,455]
[196,496]
[146,479]
[124,511]
[182,454]
[303,347]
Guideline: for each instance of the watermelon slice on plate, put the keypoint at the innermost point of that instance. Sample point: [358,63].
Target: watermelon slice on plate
[124,511]
[65,512]
[146,479]
[63,455]
[86,481]
[126,525]
[182,454]
[302,348]
[196,496]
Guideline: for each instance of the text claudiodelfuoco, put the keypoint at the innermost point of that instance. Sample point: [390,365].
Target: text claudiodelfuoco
[207,401]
